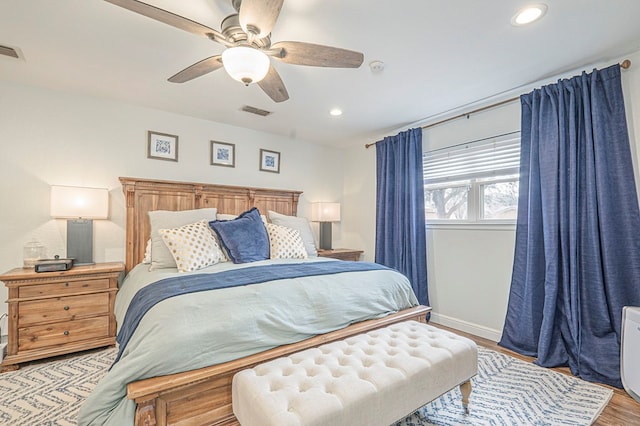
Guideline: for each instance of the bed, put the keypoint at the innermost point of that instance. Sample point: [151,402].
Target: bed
[178,364]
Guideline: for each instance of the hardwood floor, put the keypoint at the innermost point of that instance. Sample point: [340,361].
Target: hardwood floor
[622,410]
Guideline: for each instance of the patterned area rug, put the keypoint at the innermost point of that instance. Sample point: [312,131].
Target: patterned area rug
[50,393]
[506,391]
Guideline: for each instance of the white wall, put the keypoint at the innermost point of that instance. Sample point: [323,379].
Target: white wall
[49,137]
[469,271]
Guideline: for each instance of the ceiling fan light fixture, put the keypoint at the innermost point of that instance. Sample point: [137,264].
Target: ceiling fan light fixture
[245,64]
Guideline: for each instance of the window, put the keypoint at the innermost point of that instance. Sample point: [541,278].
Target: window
[476,182]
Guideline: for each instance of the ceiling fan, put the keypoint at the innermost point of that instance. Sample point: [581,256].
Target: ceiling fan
[247,38]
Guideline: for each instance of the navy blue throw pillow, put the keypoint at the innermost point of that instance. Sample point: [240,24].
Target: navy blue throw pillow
[244,238]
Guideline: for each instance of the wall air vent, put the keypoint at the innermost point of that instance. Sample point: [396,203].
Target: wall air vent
[256,111]
[8,51]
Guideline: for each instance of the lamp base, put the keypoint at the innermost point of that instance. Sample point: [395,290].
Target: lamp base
[80,241]
[325,235]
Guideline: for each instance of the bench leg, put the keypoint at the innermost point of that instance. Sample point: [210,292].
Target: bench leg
[465,389]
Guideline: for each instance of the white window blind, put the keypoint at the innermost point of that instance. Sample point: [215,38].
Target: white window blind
[484,158]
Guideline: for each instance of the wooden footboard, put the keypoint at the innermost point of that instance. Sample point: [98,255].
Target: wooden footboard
[203,396]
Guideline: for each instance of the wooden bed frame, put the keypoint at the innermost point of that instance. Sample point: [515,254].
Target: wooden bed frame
[203,396]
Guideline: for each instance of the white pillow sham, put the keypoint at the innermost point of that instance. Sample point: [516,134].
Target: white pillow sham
[164,219]
[300,224]
[147,252]
[225,216]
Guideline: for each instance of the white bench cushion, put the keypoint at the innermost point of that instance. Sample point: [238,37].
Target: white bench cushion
[374,378]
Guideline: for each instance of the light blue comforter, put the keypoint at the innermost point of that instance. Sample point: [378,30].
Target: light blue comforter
[206,328]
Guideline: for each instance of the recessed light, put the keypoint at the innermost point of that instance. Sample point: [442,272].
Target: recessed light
[529,14]
[335,112]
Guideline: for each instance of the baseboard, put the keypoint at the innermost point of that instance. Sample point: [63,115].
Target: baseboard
[467,327]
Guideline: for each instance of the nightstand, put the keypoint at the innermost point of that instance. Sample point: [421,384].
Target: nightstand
[342,254]
[55,313]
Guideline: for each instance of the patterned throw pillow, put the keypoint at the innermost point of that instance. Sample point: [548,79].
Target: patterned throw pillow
[164,219]
[300,224]
[193,246]
[286,243]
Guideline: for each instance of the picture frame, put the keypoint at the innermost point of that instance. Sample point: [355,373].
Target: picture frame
[269,161]
[223,154]
[162,146]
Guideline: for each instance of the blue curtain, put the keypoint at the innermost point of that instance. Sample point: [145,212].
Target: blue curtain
[577,254]
[400,225]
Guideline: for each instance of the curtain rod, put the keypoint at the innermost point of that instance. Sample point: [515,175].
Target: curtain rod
[626,64]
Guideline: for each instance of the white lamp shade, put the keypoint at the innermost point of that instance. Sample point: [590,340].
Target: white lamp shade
[325,212]
[72,202]
[245,64]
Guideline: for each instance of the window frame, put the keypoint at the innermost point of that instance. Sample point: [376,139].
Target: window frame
[480,208]
[477,182]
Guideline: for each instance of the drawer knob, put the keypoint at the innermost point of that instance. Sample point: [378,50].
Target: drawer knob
[66,284]
[66,308]
[66,332]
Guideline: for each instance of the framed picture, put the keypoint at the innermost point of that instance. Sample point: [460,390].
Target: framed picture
[162,146]
[223,154]
[269,161]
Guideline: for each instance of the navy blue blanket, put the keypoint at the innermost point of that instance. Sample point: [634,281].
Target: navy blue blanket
[158,291]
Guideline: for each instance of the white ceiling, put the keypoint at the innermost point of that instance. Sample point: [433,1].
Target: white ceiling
[439,55]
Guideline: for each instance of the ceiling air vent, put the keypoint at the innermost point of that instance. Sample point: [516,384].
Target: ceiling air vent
[256,111]
[8,51]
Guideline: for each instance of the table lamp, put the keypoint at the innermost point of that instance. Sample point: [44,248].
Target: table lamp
[79,206]
[325,213]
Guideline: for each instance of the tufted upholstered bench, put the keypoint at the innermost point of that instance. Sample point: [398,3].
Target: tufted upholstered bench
[375,378]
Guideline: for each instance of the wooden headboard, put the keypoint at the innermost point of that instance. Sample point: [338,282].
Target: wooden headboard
[144,195]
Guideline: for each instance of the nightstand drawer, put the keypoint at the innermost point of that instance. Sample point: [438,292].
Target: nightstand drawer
[62,308]
[60,333]
[62,288]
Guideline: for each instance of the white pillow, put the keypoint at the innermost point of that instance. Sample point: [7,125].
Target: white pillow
[224,216]
[300,224]
[285,243]
[163,219]
[147,252]
[192,246]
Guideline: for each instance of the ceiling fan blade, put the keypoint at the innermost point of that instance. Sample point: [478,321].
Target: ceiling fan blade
[273,86]
[316,55]
[169,18]
[198,69]
[259,16]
